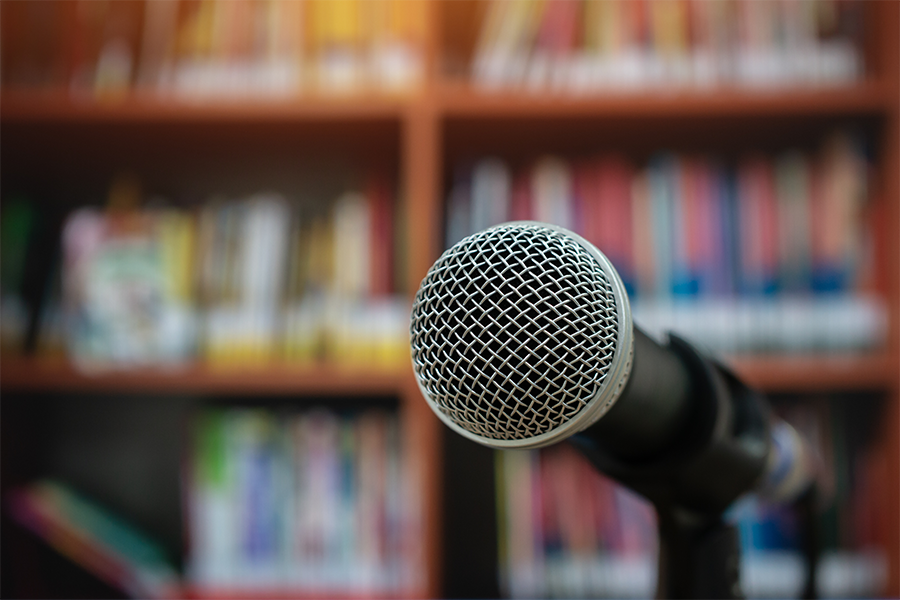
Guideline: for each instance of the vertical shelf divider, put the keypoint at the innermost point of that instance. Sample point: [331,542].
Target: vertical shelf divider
[887,43]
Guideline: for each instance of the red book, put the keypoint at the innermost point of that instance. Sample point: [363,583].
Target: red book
[758,225]
[614,177]
[768,223]
[379,196]
[520,208]
[558,33]
[587,199]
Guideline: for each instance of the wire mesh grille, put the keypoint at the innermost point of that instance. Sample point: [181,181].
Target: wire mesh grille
[513,331]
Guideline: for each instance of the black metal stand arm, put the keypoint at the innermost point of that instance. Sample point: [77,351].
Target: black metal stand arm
[699,557]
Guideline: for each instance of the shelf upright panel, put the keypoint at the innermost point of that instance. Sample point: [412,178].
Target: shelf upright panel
[885,49]
[420,173]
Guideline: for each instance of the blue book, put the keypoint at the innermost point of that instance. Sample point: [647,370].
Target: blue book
[660,182]
[459,207]
[683,201]
[728,264]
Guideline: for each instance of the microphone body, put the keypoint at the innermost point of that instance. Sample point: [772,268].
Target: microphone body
[521,337]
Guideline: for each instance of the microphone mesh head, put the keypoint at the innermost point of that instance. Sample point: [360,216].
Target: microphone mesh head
[517,335]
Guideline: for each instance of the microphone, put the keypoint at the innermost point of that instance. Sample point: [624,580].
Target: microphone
[522,336]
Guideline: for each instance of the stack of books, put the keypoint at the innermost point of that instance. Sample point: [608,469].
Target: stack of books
[772,253]
[590,46]
[215,48]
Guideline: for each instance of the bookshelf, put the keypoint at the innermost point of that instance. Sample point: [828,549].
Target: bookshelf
[422,134]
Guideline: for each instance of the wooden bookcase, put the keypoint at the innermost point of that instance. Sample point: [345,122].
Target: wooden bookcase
[48,135]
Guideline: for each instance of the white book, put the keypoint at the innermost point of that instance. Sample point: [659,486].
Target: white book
[491,188]
[352,245]
[370,498]
[513,43]
[792,196]
[319,491]
[551,184]
[215,546]
[524,542]
[459,219]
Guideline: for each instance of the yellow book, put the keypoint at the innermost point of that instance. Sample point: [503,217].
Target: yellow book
[669,27]
[196,21]
[337,35]
[177,242]
[490,27]
[398,45]
[605,34]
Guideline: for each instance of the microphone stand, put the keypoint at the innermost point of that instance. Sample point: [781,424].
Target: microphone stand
[718,456]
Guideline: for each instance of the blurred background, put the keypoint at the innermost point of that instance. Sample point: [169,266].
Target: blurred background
[214,215]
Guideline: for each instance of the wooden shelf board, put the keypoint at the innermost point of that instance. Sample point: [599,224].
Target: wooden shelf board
[810,373]
[32,375]
[27,106]
[802,373]
[449,99]
[461,100]
[300,594]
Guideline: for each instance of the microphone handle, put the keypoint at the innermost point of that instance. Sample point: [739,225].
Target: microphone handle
[689,436]
[653,406]
[684,433]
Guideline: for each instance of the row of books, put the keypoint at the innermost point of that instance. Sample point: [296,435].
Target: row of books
[585,46]
[246,281]
[750,256]
[312,502]
[558,518]
[567,531]
[214,48]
